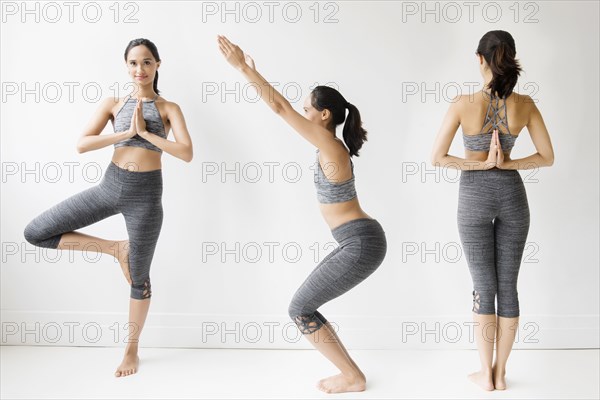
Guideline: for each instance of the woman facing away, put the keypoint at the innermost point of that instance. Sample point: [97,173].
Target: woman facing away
[493,212]
[131,185]
[361,239]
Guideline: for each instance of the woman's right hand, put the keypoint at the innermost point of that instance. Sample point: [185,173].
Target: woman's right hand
[492,158]
[132,131]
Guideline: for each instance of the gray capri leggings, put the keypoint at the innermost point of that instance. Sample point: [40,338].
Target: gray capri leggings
[493,222]
[136,195]
[362,248]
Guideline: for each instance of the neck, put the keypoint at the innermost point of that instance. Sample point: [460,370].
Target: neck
[145,92]
[487,78]
[330,130]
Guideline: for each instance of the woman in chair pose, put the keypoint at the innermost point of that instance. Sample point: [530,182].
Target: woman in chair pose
[361,239]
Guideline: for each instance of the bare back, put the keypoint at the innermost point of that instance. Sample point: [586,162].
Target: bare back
[474,114]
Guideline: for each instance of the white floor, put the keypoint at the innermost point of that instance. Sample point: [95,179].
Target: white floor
[86,372]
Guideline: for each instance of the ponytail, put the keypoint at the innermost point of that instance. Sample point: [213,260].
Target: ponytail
[325,97]
[354,134]
[498,49]
[155,84]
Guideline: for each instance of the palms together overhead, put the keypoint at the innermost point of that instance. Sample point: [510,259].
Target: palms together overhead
[233,54]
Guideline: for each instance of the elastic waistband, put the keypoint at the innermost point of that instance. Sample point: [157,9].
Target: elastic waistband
[119,174]
[491,171]
[492,178]
[358,227]
[494,173]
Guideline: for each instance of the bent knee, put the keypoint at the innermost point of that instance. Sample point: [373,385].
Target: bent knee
[33,235]
[294,309]
[307,322]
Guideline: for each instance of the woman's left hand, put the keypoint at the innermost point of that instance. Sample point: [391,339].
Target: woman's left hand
[500,154]
[250,62]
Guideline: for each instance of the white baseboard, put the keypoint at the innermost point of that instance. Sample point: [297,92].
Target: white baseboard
[278,332]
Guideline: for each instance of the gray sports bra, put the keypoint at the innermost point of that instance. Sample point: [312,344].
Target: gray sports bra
[330,192]
[154,123]
[495,118]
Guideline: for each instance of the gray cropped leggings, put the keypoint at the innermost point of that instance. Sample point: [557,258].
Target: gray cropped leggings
[362,248]
[493,222]
[136,195]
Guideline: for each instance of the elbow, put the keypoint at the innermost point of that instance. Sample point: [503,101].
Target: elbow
[80,148]
[277,108]
[188,155]
[548,159]
[435,160]
[280,107]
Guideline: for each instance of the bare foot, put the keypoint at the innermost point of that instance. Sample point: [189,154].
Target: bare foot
[342,383]
[483,379]
[129,365]
[499,381]
[123,257]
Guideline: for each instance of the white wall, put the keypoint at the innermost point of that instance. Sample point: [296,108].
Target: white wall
[376,54]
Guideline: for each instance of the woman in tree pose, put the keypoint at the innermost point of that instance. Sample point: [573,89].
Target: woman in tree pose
[131,185]
[362,242]
[493,212]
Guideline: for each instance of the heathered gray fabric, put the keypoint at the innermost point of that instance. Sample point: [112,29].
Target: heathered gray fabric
[136,195]
[154,123]
[332,192]
[362,248]
[493,223]
[495,118]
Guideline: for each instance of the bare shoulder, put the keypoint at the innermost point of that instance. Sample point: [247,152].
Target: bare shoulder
[111,101]
[459,106]
[110,105]
[525,105]
[462,102]
[462,99]
[522,99]
[334,149]
[169,106]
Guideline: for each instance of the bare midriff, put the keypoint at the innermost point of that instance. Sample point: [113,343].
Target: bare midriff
[137,159]
[338,213]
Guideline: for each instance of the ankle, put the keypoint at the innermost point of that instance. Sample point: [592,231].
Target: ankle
[355,375]
[499,369]
[132,348]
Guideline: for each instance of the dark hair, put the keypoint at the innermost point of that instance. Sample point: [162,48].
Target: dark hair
[152,47]
[325,97]
[498,49]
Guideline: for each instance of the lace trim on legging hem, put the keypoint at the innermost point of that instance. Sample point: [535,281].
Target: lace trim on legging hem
[308,324]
